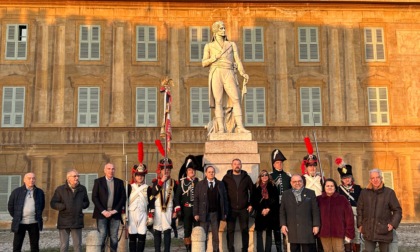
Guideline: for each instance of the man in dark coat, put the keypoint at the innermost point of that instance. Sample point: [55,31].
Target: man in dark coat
[299,216]
[239,188]
[25,205]
[108,196]
[211,205]
[282,182]
[70,199]
[378,213]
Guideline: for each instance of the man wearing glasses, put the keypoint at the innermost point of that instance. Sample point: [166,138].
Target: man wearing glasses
[299,216]
[70,199]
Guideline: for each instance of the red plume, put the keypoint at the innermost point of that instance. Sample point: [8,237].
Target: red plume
[160,147]
[140,153]
[308,144]
[339,162]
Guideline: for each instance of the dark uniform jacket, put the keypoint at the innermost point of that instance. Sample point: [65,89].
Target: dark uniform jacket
[375,210]
[258,204]
[201,207]
[100,197]
[70,205]
[354,192]
[16,202]
[186,198]
[300,217]
[238,197]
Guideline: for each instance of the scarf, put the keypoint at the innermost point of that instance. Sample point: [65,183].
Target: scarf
[297,194]
[264,192]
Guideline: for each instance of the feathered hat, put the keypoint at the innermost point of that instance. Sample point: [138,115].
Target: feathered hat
[139,168]
[345,170]
[276,155]
[309,159]
[165,162]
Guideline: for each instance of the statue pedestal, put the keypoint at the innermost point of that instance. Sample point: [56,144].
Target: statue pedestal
[219,151]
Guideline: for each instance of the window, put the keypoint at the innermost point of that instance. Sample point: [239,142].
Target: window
[88,111]
[16,41]
[199,106]
[88,179]
[253,44]
[146,106]
[308,44]
[388,179]
[13,107]
[374,44]
[8,183]
[149,178]
[90,42]
[310,105]
[255,107]
[199,36]
[146,43]
[378,106]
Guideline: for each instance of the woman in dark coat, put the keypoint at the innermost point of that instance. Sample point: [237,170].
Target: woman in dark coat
[337,222]
[265,202]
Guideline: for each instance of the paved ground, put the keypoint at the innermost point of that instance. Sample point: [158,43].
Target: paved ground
[409,240]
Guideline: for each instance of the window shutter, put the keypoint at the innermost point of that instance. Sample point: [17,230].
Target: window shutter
[11,41]
[152,48]
[380,50]
[94,106]
[95,42]
[369,54]
[255,107]
[248,44]
[13,106]
[259,44]
[388,178]
[310,105]
[314,43]
[378,106]
[84,42]
[146,106]
[308,44]
[303,48]
[199,106]
[88,109]
[88,180]
[195,47]
[7,184]
[141,43]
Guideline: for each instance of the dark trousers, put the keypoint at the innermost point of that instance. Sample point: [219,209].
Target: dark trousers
[243,217]
[189,221]
[33,231]
[137,242]
[213,223]
[268,241]
[157,235]
[280,240]
[295,247]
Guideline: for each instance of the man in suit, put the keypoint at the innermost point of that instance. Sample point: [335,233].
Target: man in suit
[211,205]
[299,216]
[108,196]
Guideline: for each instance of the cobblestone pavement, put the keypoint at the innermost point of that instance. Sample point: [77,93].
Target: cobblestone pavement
[409,239]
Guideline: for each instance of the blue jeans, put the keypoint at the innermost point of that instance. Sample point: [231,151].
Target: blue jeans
[108,227]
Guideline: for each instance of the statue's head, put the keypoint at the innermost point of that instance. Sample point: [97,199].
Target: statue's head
[215,28]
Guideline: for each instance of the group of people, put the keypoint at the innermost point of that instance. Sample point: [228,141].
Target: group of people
[305,212]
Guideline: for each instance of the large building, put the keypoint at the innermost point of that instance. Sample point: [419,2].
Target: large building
[79,86]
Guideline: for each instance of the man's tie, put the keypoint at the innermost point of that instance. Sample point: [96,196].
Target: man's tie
[211,185]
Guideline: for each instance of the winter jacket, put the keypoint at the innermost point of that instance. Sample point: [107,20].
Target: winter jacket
[336,216]
[16,202]
[70,205]
[201,205]
[238,197]
[375,210]
[258,204]
[300,218]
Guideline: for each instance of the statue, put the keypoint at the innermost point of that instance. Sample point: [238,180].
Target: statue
[222,57]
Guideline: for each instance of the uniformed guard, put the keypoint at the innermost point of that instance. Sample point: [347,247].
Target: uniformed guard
[185,195]
[282,182]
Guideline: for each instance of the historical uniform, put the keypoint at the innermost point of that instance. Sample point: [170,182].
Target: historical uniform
[138,210]
[351,192]
[282,183]
[185,195]
[163,194]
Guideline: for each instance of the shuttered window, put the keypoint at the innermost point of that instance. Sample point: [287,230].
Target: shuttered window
[90,42]
[199,37]
[308,44]
[146,107]
[378,106]
[88,107]
[253,44]
[146,43]
[310,105]
[199,106]
[149,178]
[13,113]
[16,41]
[88,179]
[255,107]
[374,44]
[8,183]
[388,179]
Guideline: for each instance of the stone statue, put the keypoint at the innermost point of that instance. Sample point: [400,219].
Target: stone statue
[222,57]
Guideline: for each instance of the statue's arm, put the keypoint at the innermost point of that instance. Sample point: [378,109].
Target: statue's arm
[238,61]
[207,58]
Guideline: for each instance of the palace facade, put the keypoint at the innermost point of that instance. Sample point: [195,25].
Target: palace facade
[79,86]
